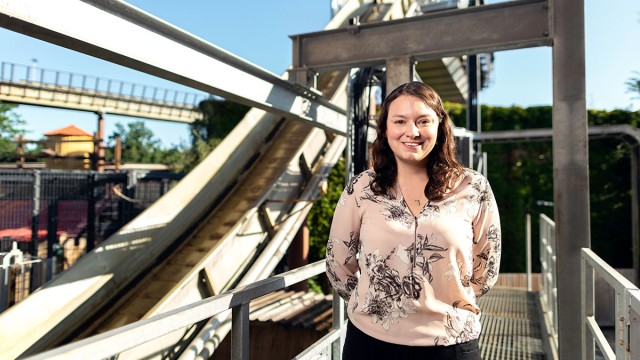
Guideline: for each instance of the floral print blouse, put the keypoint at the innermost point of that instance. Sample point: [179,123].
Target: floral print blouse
[414,280]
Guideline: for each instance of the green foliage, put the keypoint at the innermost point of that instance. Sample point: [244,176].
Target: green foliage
[319,221]
[139,145]
[219,118]
[521,174]
[10,124]
[190,156]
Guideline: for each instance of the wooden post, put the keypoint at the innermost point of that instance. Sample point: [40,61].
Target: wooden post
[95,154]
[298,254]
[20,151]
[118,152]
[98,146]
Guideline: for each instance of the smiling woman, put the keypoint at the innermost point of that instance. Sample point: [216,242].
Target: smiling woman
[415,240]
[412,130]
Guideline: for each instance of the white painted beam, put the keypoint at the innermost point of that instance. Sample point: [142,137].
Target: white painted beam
[507,25]
[123,34]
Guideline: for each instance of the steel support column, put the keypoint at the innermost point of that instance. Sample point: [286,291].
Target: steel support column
[502,26]
[399,71]
[473,108]
[570,166]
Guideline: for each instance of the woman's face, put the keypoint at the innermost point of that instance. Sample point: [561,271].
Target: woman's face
[412,129]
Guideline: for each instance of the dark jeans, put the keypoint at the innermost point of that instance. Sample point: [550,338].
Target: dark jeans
[359,345]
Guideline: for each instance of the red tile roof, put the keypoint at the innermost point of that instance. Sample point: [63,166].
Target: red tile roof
[70,130]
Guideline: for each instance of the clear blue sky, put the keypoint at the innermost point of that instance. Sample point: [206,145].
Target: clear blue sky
[258,31]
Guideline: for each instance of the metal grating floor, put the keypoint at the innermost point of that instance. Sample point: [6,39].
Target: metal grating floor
[510,325]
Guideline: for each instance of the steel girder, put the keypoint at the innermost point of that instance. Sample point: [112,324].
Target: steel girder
[123,34]
[508,25]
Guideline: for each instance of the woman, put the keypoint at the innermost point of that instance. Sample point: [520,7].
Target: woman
[415,240]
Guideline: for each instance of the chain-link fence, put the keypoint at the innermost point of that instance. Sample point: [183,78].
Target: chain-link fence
[59,215]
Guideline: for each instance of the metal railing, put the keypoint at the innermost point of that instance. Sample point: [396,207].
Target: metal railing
[35,77]
[627,301]
[549,293]
[627,310]
[118,340]
[19,273]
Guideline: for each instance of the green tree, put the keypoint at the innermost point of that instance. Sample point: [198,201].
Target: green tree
[319,221]
[10,123]
[521,174]
[139,145]
[219,118]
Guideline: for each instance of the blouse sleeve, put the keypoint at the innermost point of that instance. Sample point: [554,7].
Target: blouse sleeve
[487,241]
[343,244]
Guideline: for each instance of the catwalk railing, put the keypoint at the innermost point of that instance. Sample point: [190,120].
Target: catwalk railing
[38,76]
[46,87]
[549,293]
[113,342]
[627,301]
[627,310]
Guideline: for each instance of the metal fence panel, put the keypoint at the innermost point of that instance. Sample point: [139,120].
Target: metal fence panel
[62,214]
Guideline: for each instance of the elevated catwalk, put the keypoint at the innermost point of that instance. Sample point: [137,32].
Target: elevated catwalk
[23,84]
[511,325]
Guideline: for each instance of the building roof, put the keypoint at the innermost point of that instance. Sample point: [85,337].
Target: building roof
[70,130]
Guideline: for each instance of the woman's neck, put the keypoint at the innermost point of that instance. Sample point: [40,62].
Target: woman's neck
[413,174]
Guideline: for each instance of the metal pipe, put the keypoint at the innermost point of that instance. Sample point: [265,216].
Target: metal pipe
[240,332]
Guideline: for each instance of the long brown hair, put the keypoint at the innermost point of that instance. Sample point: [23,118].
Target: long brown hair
[442,166]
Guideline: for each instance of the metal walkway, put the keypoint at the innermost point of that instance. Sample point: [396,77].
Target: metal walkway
[511,325]
[24,84]
[510,319]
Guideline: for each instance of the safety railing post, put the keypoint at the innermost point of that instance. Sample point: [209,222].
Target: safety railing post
[338,324]
[588,346]
[35,213]
[633,329]
[240,332]
[621,323]
[4,288]
[528,220]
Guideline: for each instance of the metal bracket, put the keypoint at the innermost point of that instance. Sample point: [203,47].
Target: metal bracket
[304,168]
[265,219]
[305,79]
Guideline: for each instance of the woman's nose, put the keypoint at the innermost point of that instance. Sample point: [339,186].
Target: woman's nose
[412,130]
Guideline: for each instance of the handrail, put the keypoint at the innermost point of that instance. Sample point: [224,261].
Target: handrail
[118,340]
[627,310]
[549,293]
[38,77]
